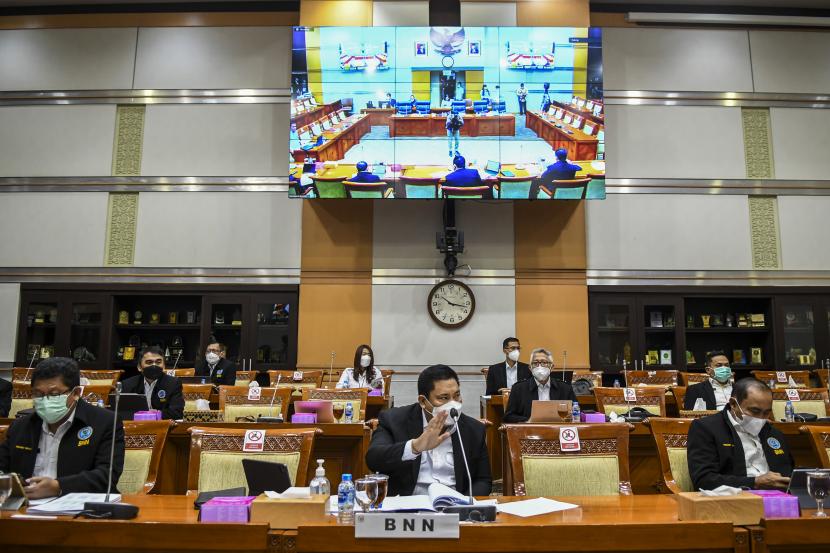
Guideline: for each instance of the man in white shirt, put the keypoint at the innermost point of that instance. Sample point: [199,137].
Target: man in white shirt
[506,373]
[419,444]
[739,446]
[713,393]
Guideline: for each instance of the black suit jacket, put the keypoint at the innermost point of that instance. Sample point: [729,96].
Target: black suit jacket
[167,395]
[83,462]
[702,390]
[497,376]
[5,397]
[716,457]
[523,393]
[224,373]
[398,425]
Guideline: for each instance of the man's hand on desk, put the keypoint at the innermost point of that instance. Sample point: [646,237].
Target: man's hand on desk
[771,481]
[432,436]
[42,486]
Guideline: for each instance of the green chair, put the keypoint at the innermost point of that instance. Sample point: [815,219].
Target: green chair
[329,187]
[372,190]
[424,188]
[466,192]
[514,188]
[548,191]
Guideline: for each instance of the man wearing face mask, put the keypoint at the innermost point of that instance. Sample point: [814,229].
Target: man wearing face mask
[419,444]
[64,446]
[739,447]
[163,392]
[541,387]
[504,375]
[713,393]
[216,367]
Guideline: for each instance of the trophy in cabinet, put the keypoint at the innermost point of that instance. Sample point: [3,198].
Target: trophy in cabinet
[176,348]
[53,315]
[137,316]
[190,317]
[123,317]
[39,317]
[173,317]
[219,318]
[131,348]
[236,318]
[154,318]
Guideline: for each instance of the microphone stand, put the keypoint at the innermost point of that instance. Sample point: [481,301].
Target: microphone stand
[271,417]
[113,511]
[478,513]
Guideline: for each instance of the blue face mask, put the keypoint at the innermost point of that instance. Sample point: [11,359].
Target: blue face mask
[723,374]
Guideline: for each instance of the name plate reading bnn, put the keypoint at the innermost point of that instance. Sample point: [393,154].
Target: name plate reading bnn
[406,525]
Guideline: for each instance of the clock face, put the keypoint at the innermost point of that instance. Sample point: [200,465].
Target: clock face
[451,304]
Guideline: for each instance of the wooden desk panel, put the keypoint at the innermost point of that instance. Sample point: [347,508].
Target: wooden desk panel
[578,144]
[338,141]
[343,446]
[640,523]
[435,125]
[785,535]
[308,117]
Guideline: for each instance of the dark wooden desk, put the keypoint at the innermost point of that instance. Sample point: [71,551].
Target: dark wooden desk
[338,141]
[343,446]
[435,125]
[164,524]
[308,117]
[601,524]
[784,535]
[578,144]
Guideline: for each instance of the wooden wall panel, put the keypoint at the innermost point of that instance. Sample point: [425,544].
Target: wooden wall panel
[94,20]
[342,13]
[551,286]
[335,281]
[553,13]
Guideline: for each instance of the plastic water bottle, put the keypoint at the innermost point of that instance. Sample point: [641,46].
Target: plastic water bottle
[349,413]
[575,416]
[789,412]
[101,404]
[616,383]
[345,500]
[320,485]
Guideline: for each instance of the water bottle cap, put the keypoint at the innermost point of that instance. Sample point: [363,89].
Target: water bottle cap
[347,477]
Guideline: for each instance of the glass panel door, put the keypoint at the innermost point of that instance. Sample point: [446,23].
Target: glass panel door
[612,340]
[660,335]
[41,331]
[272,337]
[798,323]
[85,335]
[227,315]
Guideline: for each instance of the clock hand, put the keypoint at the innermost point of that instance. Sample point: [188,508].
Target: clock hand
[451,303]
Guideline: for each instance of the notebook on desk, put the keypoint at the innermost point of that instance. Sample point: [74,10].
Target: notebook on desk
[492,167]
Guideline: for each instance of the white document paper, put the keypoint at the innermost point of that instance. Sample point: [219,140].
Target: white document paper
[71,503]
[533,507]
[700,405]
[294,492]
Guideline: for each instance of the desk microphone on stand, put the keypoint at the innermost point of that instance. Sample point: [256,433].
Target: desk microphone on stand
[478,513]
[105,509]
[271,417]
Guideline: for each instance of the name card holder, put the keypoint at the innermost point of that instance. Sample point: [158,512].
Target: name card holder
[406,526]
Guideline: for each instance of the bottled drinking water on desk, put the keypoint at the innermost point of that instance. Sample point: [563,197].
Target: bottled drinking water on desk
[345,500]
[349,413]
[789,412]
[577,412]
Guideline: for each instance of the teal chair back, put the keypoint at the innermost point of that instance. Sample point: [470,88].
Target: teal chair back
[329,188]
[574,189]
[469,192]
[370,190]
[515,188]
[420,188]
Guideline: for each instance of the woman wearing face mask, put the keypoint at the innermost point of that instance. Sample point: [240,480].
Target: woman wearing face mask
[363,374]
[738,447]
[64,446]
[420,444]
[713,393]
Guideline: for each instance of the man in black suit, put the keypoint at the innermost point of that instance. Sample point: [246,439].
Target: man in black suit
[504,375]
[739,447]
[164,393]
[715,391]
[216,367]
[64,445]
[541,386]
[419,444]
[5,397]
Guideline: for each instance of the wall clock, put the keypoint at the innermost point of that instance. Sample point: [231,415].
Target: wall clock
[451,303]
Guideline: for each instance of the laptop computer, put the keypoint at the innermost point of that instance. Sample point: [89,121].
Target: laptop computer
[549,411]
[263,476]
[379,170]
[323,409]
[129,405]
[492,167]
[798,487]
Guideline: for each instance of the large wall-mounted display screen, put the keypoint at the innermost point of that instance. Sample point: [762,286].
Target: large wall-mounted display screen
[447,112]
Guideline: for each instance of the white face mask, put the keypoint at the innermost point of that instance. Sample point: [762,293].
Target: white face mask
[449,406]
[365,360]
[751,425]
[513,355]
[541,374]
[212,358]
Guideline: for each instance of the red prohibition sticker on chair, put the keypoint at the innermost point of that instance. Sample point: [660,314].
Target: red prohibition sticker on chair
[792,394]
[569,438]
[254,441]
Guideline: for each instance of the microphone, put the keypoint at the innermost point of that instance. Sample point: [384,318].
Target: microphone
[32,362]
[478,513]
[177,360]
[271,417]
[113,511]
[564,364]
[331,366]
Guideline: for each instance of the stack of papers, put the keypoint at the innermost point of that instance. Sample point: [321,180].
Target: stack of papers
[533,507]
[69,504]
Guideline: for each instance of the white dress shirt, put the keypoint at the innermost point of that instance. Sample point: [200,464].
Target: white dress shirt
[756,462]
[347,379]
[544,390]
[722,392]
[46,462]
[437,465]
[148,391]
[512,373]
